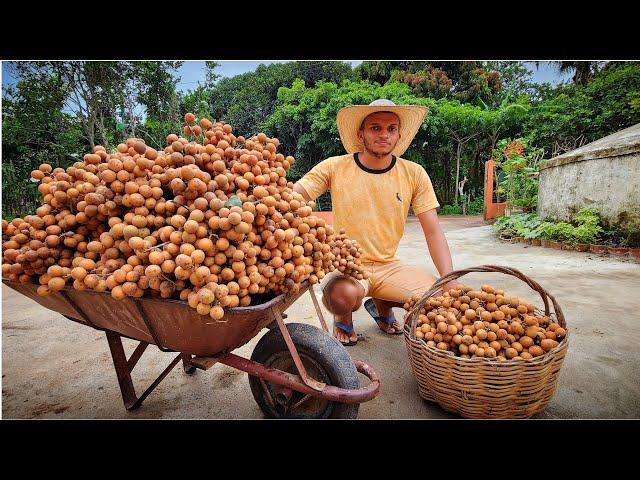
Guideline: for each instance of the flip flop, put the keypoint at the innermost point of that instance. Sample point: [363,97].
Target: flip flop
[346,329]
[370,306]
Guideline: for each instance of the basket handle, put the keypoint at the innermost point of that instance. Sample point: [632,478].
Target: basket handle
[486,268]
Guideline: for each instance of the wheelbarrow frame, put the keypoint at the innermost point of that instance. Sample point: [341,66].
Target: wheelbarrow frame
[273,312]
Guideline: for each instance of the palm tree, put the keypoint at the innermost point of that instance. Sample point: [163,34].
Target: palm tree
[582,71]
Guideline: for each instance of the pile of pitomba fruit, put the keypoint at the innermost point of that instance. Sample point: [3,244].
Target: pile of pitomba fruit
[485,323]
[211,219]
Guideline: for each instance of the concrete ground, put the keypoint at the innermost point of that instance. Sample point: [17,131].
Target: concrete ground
[55,368]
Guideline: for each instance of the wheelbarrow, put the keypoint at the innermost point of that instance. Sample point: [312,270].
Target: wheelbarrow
[295,371]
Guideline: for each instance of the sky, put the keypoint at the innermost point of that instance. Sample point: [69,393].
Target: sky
[193,71]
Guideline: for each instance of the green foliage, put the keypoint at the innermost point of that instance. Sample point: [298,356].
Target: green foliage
[516,81]
[323,202]
[451,210]
[587,216]
[34,131]
[520,164]
[430,82]
[466,207]
[154,132]
[196,101]
[246,101]
[476,206]
[572,115]
[381,72]
[524,224]
[156,85]
[477,85]
[585,227]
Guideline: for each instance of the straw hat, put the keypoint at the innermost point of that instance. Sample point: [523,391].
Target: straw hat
[350,118]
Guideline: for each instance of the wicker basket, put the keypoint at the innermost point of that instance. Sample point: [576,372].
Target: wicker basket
[483,387]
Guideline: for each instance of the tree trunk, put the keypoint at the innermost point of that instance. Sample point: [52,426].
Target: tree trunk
[446,179]
[458,169]
[91,134]
[103,133]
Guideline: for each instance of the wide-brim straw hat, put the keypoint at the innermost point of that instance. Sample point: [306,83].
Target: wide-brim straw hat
[350,118]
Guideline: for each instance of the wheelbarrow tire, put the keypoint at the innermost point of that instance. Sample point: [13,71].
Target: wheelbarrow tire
[325,351]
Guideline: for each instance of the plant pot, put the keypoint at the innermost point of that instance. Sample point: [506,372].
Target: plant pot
[545,243]
[582,247]
[634,253]
[618,250]
[568,246]
[536,242]
[326,216]
[555,245]
[526,241]
[597,248]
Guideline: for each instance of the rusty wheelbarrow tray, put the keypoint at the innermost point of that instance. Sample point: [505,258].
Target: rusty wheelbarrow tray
[202,342]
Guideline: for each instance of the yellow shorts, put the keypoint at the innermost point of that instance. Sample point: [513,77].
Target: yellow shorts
[393,281]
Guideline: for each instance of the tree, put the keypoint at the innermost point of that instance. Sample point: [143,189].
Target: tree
[582,71]
[464,122]
[477,85]
[34,130]
[516,80]
[246,101]
[381,71]
[571,115]
[93,90]
[430,82]
[155,88]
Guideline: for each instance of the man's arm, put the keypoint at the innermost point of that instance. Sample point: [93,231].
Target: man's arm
[437,243]
[300,189]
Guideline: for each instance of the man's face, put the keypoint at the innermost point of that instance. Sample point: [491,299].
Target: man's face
[380,133]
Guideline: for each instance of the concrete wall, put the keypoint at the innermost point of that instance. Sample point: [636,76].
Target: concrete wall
[604,175]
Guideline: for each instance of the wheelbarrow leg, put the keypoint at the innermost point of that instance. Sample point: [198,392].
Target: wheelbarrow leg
[124,367]
[318,310]
[122,370]
[187,366]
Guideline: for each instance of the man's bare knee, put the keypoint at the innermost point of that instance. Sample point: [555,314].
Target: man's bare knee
[342,296]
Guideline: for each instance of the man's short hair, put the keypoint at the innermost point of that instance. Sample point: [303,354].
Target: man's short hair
[382,111]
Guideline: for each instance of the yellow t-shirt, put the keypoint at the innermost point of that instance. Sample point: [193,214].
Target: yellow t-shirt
[372,205]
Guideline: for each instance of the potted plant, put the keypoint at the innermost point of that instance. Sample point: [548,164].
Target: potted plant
[555,244]
[587,231]
[546,230]
[618,250]
[582,247]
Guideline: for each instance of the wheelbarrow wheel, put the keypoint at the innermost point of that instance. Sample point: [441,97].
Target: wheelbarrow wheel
[324,359]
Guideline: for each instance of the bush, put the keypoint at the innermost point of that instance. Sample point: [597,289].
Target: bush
[474,207]
[450,210]
[585,228]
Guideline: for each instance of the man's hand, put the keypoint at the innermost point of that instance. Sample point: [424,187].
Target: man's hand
[452,285]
